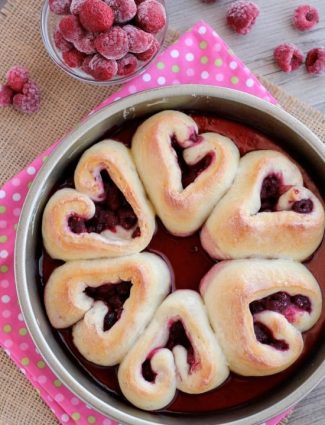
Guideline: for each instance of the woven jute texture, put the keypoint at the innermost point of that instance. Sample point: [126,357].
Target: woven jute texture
[64,102]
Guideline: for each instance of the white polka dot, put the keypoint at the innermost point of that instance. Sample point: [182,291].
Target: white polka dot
[4,283]
[189,57]
[2,194]
[132,89]
[42,379]
[16,182]
[20,317]
[205,75]
[17,212]
[59,397]
[217,47]
[202,30]
[189,42]
[249,82]
[4,254]
[65,418]
[220,77]
[161,81]
[16,197]
[23,346]
[3,224]
[146,77]
[174,53]
[8,343]
[31,170]
[6,314]
[233,65]
[5,299]
[74,401]
[190,72]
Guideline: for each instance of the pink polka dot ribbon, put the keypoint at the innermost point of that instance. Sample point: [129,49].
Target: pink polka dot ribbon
[199,56]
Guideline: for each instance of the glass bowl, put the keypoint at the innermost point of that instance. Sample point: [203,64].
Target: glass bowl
[49,22]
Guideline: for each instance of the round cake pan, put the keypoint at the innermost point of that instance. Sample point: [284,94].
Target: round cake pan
[272,120]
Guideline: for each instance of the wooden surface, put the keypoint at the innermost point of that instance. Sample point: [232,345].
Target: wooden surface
[273,27]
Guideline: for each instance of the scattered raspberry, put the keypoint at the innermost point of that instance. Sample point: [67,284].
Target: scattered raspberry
[60,42]
[100,68]
[127,65]
[17,76]
[124,10]
[305,17]
[112,44]
[73,58]
[288,57]
[76,6]
[151,16]
[148,54]
[29,101]
[242,15]
[70,28]
[315,61]
[60,7]
[6,95]
[86,43]
[139,41]
[96,16]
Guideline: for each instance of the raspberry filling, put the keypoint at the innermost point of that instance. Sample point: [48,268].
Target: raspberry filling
[304,206]
[114,210]
[283,303]
[177,336]
[190,172]
[114,296]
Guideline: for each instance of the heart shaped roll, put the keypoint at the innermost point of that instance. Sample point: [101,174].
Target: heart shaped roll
[177,351]
[109,302]
[258,309]
[107,215]
[184,173]
[266,213]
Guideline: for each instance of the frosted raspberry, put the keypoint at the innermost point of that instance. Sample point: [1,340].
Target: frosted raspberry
[60,7]
[305,17]
[242,15]
[139,41]
[70,28]
[100,68]
[124,10]
[288,57]
[112,44]
[127,65]
[148,54]
[96,16]
[60,42]
[17,76]
[6,95]
[73,58]
[315,61]
[29,101]
[76,6]
[151,16]
[86,43]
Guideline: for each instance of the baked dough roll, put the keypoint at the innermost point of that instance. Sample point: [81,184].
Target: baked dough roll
[266,213]
[211,161]
[258,309]
[65,234]
[109,302]
[177,351]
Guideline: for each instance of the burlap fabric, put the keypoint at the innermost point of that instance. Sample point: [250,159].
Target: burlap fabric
[64,102]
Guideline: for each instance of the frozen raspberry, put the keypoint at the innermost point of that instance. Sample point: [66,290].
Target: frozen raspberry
[70,28]
[148,54]
[127,65]
[6,95]
[60,7]
[100,68]
[76,6]
[315,61]
[29,101]
[151,16]
[139,41]
[242,15]
[60,42]
[124,10]
[96,16]
[86,43]
[305,17]
[288,57]
[17,76]
[112,44]
[73,58]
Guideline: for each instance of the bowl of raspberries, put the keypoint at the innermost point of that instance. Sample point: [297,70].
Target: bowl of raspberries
[103,42]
